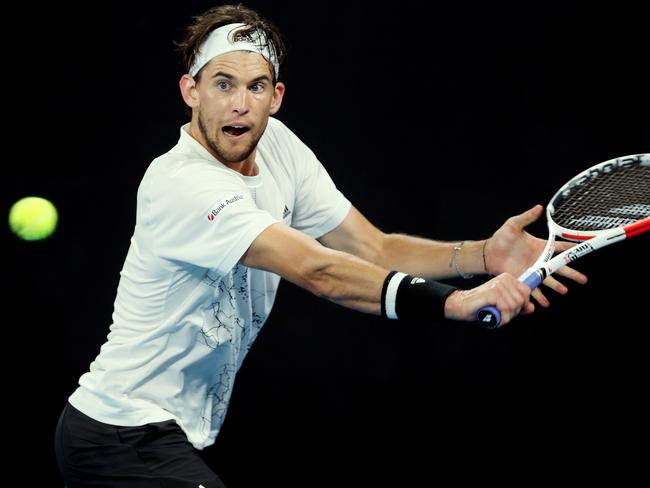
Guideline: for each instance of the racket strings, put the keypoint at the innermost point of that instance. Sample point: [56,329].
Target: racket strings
[607,201]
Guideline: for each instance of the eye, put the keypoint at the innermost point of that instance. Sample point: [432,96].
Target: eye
[257,88]
[223,85]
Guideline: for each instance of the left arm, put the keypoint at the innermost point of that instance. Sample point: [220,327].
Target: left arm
[409,254]
[510,249]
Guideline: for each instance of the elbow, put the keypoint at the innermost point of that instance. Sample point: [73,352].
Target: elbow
[322,284]
[319,276]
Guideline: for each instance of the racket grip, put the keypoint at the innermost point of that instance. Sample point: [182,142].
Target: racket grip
[490,316]
[532,278]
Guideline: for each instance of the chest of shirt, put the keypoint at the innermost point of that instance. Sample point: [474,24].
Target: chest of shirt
[274,192]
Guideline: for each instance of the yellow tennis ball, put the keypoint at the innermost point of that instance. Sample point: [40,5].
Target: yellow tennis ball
[33,218]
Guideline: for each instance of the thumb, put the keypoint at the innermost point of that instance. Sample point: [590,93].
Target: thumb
[528,217]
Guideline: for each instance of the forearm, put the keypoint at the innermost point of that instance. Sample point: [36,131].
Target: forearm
[338,276]
[360,285]
[347,280]
[428,258]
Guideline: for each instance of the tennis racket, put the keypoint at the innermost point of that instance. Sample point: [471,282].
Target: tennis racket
[604,204]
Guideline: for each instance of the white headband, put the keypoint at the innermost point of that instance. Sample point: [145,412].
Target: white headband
[218,42]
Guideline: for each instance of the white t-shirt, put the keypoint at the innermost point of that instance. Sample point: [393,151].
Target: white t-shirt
[186,312]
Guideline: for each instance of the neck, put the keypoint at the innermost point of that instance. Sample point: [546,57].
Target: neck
[247,167]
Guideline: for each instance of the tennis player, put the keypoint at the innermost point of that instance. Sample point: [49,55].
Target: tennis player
[239,202]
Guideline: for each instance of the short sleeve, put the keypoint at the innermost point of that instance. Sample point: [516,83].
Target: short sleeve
[205,217]
[319,205]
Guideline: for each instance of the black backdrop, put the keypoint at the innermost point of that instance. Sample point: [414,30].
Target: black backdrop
[434,121]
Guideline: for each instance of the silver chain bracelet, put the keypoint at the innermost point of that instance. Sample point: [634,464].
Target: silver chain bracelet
[454,262]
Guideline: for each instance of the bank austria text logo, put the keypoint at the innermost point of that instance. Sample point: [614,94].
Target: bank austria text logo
[228,201]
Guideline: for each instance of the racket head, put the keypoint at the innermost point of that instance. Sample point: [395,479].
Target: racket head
[608,195]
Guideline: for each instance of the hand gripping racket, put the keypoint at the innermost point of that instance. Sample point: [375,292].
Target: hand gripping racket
[602,205]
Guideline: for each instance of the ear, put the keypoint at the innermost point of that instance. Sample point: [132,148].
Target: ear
[278,93]
[189,91]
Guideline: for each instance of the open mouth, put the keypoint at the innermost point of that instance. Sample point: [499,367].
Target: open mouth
[235,130]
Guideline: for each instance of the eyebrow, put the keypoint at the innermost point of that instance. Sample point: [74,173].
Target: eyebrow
[231,77]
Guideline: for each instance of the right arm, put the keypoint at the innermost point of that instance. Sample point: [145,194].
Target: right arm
[355,283]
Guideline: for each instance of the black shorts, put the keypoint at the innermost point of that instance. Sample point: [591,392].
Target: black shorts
[93,454]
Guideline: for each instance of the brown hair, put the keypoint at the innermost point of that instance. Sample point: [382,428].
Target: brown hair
[216,17]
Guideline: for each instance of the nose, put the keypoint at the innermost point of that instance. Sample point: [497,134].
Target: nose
[240,102]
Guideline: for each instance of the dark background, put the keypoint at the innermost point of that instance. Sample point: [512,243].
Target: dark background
[439,121]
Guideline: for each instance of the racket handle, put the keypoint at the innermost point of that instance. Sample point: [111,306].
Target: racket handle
[533,277]
[490,316]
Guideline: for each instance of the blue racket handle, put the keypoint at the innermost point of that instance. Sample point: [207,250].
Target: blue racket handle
[490,316]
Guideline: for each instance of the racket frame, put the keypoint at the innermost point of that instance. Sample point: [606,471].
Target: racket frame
[589,241]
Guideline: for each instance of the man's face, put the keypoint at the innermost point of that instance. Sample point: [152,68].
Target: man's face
[236,98]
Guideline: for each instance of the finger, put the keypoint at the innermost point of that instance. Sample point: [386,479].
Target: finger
[501,292]
[513,309]
[540,298]
[564,245]
[510,295]
[555,285]
[522,294]
[528,308]
[516,297]
[528,217]
[572,274]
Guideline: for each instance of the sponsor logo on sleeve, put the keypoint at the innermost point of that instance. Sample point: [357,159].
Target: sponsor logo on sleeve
[212,215]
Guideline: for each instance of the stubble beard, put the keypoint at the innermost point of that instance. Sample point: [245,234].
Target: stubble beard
[224,155]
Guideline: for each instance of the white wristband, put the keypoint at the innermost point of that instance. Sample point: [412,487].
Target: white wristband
[391,294]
